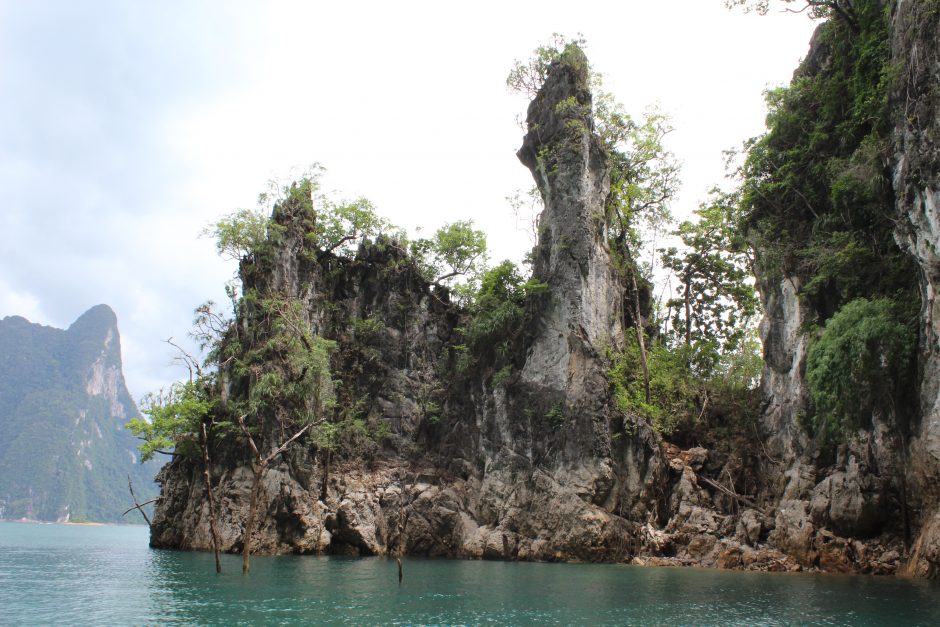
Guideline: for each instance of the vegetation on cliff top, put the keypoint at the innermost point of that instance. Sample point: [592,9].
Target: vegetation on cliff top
[818,205]
[814,202]
[699,343]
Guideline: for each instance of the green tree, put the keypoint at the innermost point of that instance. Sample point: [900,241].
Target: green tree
[644,174]
[331,226]
[341,224]
[180,421]
[817,9]
[174,415]
[498,311]
[527,77]
[861,364]
[456,250]
[644,180]
[241,233]
[717,300]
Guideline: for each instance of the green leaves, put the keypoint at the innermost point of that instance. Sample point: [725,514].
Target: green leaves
[175,415]
[860,364]
[816,188]
[820,207]
[340,225]
[283,369]
[715,302]
[241,233]
[527,77]
[455,250]
[498,311]
[673,388]
[644,175]
[329,226]
[818,9]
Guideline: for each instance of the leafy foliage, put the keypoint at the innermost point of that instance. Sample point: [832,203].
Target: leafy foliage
[527,77]
[174,416]
[819,205]
[716,303]
[644,177]
[816,188]
[687,382]
[281,367]
[455,250]
[818,9]
[673,387]
[499,310]
[861,364]
[340,224]
[241,233]
[330,226]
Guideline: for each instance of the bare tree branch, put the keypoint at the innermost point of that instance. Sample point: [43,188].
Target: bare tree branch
[185,358]
[140,505]
[130,486]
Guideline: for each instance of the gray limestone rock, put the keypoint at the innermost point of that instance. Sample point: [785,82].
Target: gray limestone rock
[543,466]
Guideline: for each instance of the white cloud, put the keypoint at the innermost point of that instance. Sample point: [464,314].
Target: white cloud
[137,124]
[25,304]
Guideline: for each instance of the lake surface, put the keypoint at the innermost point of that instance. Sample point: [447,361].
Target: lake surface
[109,576]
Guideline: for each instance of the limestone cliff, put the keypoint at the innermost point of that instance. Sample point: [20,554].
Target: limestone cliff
[526,456]
[536,467]
[873,497]
[64,451]
[915,100]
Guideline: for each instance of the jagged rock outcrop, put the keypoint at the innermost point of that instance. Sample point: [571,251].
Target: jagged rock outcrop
[538,463]
[64,451]
[880,485]
[915,100]
[537,467]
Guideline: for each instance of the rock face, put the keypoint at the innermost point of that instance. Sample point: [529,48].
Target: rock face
[916,47]
[569,165]
[537,463]
[536,467]
[64,452]
[878,491]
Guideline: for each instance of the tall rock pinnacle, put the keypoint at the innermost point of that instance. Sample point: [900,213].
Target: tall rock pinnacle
[570,167]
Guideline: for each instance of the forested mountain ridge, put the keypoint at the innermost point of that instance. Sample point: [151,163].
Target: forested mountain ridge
[356,408]
[64,451]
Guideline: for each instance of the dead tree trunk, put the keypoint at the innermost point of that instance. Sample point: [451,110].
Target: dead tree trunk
[260,465]
[401,534]
[212,517]
[138,506]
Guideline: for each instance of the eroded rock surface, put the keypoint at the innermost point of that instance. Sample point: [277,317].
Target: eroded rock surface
[916,48]
[539,466]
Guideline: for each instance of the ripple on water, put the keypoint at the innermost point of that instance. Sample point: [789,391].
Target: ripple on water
[53,574]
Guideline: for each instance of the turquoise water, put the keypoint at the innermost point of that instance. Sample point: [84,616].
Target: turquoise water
[80,575]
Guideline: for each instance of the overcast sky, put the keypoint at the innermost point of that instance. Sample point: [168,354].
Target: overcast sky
[129,125]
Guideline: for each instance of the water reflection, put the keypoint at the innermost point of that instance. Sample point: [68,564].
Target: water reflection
[54,574]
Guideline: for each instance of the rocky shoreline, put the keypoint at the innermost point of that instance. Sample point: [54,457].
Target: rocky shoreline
[541,465]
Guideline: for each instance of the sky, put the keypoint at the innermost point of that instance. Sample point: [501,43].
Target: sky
[128,126]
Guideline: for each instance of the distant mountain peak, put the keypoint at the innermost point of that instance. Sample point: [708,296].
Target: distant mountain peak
[64,451]
[98,317]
